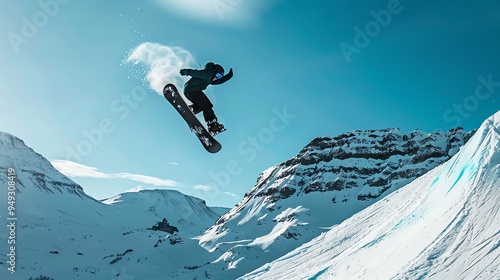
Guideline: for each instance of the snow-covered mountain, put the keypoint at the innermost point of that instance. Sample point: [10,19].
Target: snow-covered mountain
[327,182]
[309,203]
[444,225]
[62,233]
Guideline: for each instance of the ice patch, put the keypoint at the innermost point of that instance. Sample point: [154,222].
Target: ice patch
[315,276]
[458,178]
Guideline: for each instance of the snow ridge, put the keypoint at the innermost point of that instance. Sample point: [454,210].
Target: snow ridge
[331,179]
[443,225]
[31,166]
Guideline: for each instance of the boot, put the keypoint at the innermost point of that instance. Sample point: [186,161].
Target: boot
[215,127]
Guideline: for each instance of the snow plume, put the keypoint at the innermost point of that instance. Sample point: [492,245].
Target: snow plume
[162,64]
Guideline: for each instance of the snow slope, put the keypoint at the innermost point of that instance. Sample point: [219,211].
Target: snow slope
[330,180]
[62,233]
[444,225]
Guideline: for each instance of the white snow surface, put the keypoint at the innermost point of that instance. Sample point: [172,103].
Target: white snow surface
[62,233]
[443,225]
[297,200]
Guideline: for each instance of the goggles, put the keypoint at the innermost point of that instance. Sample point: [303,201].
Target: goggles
[218,75]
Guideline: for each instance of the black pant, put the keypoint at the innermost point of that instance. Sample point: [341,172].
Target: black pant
[201,103]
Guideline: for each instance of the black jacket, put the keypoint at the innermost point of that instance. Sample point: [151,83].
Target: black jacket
[201,79]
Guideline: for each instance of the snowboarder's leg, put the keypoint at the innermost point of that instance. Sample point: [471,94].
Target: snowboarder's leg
[193,97]
[206,137]
[201,103]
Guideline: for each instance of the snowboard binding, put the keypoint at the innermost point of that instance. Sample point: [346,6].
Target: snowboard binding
[215,127]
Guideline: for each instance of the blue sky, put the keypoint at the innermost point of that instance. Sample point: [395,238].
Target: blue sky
[301,70]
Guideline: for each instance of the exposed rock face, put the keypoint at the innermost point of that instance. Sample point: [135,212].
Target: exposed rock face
[372,161]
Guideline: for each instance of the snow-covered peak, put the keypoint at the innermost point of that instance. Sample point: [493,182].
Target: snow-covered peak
[32,169]
[151,195]
[444,225]
[190,214]
[16,154]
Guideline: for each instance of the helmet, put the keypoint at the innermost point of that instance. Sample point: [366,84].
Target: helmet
[218,69]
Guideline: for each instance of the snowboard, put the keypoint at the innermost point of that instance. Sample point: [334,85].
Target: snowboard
[206,138]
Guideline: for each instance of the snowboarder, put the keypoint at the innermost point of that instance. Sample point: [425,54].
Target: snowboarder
[212,74]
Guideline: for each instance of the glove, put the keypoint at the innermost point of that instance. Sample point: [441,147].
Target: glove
[184,72]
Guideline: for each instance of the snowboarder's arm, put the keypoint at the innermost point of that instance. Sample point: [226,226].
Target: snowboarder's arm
[201,74]
[224,78]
